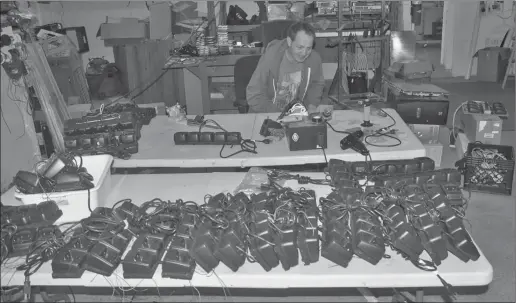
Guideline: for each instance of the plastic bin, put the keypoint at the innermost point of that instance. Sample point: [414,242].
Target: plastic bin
[488,174]
[74,204]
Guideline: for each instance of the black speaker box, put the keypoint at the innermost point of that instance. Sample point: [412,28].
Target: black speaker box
[418,103]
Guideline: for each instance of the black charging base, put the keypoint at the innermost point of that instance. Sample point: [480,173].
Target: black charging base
[366,123]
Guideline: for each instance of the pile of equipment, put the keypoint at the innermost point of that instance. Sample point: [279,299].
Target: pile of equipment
[62,172]
[375,209]
[114,130]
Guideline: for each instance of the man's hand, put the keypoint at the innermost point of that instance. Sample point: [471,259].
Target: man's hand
[312,109]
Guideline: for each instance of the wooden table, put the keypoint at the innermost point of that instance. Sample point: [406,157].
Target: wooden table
[388,273]
[157,148]
[219,66]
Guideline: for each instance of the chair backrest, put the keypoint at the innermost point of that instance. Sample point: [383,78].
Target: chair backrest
[244,69]
[274,30]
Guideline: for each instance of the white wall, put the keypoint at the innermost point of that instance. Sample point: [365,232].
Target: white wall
[17,149]
[459,23]
[91,14]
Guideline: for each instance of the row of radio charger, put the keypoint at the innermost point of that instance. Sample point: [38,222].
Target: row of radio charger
[114,130]
[485,108]
[230,229]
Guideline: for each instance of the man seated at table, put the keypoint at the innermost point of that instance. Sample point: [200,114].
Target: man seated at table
[289,69]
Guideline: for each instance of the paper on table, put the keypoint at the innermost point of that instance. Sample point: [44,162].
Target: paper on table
[252,181]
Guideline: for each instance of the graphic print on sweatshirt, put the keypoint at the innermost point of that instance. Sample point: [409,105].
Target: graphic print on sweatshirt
[287,86]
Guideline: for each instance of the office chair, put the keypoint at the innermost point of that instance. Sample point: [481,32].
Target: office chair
[244,69]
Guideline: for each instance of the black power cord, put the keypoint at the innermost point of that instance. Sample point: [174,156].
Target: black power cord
[246,145]
[337,131]
[137,87]
[384,132]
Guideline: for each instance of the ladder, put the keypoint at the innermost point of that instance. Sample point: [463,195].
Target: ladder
[512,61]
[511,66]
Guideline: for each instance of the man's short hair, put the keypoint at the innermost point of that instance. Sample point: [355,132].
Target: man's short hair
[298,27]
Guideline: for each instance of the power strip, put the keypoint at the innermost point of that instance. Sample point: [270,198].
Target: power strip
[207,138]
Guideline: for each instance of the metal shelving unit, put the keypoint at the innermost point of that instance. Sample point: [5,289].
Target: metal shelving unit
[379,43]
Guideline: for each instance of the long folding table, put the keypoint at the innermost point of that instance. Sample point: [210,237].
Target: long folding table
[157,147]
[388,273]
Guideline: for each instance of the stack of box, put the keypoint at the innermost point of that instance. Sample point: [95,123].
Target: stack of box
[222,35]
[200,43]
[482,121]
[211,44]
[223,40]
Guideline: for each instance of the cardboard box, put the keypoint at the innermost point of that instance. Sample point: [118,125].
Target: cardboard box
[492,63]
[128,31]
[483,128]
[411,70]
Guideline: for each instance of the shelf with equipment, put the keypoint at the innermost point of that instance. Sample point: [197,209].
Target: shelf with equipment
[363,55]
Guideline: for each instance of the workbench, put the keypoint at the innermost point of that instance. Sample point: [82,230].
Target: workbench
[157,147]
[388,273]
[205,69]
[198,102]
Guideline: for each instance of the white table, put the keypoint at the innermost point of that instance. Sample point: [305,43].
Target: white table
[279,154]
[157,148]
[389,273]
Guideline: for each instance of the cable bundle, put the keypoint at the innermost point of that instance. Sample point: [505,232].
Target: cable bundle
[490,167]
[143,116]
[62,172]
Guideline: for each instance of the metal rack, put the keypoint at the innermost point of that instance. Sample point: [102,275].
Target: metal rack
[382,41]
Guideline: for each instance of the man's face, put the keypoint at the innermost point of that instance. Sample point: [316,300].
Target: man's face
[301,47]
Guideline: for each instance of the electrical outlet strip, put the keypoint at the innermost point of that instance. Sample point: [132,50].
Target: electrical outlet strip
[207,138]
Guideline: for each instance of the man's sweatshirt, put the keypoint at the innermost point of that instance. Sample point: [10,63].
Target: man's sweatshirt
[261,90]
